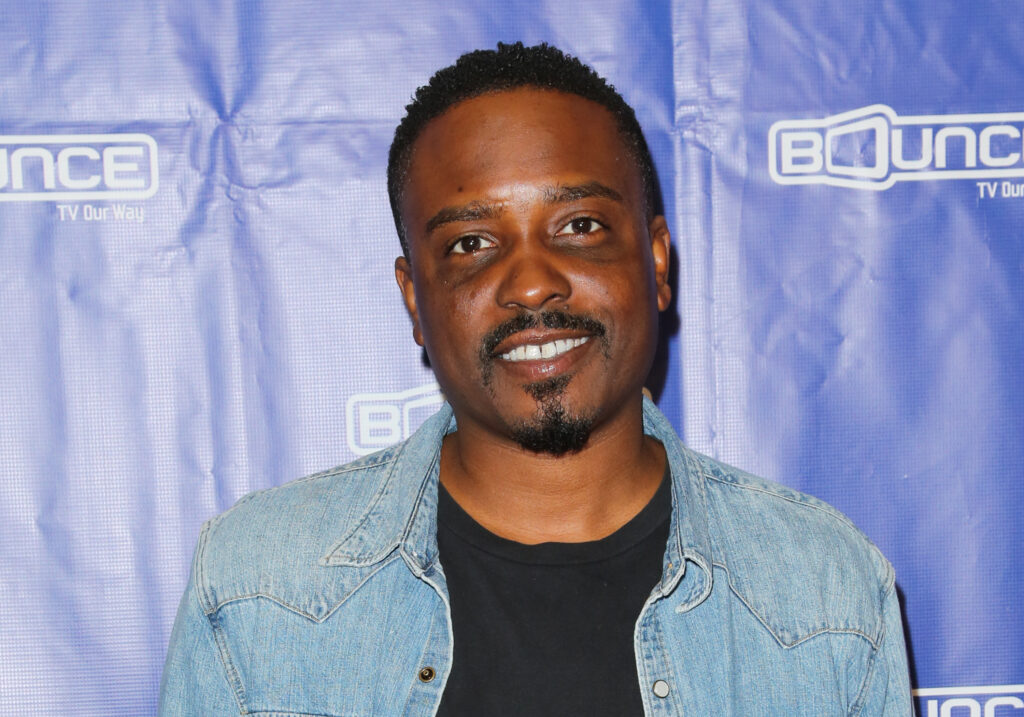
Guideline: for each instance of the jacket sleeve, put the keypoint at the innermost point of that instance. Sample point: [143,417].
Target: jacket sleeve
[194,680]
[886,689]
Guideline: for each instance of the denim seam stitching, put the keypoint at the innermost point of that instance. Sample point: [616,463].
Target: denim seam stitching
[416,508]
[417,688]
[691,553]
[382,461]
[233,678]
[335,550]
[293,608]
[824,509]
[858,704]
[650,631]
[202,586]
[278,713]
[643,678]
[821,631]
[383,458]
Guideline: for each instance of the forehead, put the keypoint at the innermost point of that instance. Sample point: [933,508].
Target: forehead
[489,145]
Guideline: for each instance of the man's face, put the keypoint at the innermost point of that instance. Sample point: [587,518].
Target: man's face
[534,276]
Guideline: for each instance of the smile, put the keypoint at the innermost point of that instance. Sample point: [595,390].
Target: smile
[532,352]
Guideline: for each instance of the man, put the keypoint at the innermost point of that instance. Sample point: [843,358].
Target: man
[544,545]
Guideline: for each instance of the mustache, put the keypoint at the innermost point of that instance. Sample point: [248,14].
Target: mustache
[554,319]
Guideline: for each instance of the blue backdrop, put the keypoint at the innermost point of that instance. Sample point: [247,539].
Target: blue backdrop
[197,298]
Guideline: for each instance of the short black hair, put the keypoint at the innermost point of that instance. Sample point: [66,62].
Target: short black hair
[509,67]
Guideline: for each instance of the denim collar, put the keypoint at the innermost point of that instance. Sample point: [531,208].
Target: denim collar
[403,514]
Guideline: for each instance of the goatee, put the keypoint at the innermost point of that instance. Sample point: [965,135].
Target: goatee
[552,430]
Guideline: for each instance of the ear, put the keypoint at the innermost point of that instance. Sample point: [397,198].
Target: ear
[661,251]
[403,275]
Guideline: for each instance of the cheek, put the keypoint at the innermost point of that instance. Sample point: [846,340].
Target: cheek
[452,322]
[619,291]
[466,304]
[626,301]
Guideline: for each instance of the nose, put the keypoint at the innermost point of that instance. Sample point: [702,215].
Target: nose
[533,279]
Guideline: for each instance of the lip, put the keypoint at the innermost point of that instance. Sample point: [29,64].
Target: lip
[537,337]
[532,369]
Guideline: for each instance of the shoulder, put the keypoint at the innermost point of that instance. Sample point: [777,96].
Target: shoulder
[798,563]
[272,543]
[322,502]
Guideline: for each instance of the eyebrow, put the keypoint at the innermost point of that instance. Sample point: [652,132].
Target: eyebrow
[563,193]
[466,213]
[572,192]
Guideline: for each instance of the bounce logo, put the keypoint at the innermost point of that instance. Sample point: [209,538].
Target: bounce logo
[68,167]
[377,420]
[873,148]
[988,701]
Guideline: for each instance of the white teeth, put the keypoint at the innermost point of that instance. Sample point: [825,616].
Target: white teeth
[531,352]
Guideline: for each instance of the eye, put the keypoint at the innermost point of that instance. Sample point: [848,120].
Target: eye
[469,244]
[580,225]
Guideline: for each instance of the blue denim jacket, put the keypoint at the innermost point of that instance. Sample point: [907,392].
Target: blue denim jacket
[325,597]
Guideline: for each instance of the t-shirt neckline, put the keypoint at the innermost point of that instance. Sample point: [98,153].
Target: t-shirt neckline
[453,518]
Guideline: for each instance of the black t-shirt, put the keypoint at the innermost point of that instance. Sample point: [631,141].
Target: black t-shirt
[547,629]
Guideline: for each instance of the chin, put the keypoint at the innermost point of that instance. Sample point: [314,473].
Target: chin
[553,430]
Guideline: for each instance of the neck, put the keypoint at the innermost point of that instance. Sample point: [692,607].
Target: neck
[534,498]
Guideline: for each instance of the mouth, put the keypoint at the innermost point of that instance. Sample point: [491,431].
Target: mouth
[547,350]
[537,346]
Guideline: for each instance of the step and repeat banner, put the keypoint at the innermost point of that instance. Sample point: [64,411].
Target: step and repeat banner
[197,296]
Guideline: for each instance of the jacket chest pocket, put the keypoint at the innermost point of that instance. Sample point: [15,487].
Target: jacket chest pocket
[377,653]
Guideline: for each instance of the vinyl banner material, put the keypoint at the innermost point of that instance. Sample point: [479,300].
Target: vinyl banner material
[197,296]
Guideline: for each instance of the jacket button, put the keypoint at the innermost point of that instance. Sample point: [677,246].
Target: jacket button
[660,688]
[427,674]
